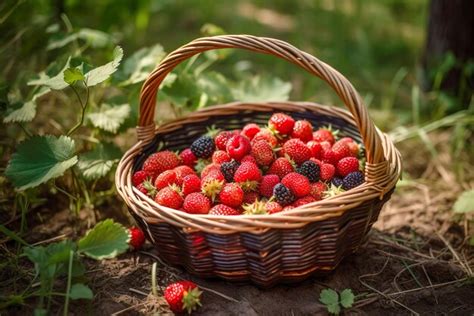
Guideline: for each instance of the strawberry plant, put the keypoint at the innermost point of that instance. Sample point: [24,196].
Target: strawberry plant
[334,301]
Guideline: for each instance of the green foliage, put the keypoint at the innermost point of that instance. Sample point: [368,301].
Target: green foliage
[102,73]
[47,79]
[98,162]
[465,202]
[109,117]
[334,301]
[80,291]
[72,75]
[262,89]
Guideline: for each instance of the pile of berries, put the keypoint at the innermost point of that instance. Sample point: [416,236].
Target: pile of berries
[256,170]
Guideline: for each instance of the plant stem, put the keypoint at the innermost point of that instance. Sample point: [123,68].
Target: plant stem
[27,132]
[83,106]
[153,279]
[69,278]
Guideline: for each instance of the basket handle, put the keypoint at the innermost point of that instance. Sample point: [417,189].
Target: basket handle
[337,81]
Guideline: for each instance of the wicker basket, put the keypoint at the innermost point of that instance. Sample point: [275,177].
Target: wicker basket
[265,249]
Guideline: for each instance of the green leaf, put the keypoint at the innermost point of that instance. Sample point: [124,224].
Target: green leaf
[329,297]
[259,89]
[39,159]
[80,291]
[59,252]
[95,38]
[24,112]
[72,75]
[55,82]
[106,240]
[465,202]
[334,308]
[347,298]
[110,117]
[216,86]
[12,235]
[99,161]
[102,73]
[40,312]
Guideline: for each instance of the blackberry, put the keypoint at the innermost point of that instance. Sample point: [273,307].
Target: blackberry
[283,195]
[203,147]
[310,170]
[336,181]
[228,169]
[353,180]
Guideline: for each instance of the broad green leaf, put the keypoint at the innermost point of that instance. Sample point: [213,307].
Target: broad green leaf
[102,73]
[72,75]
[106,240]
[55,82]
[38,256]
[39,159]
[347,298]
[80,291]
[59,252]
[334,309]
[216,86]
[329,296]
[259,89]
[465,202]
[95,38]
[99,161]
[24,112]
[183,92]
[138,66]
[109,118]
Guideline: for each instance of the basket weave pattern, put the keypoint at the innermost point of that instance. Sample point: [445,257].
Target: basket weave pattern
[265,249]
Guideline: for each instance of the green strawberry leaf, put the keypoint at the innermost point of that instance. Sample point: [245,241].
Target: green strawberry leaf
[99,161]
[347,298]
[465,202]
[102,73]
[55,82]
[39,159]
[258,89]
[106,240]
[334,309]
[80,291]
[95,38]
[110,117]
[72,75]
[329,297]
[216,86]
[24,112]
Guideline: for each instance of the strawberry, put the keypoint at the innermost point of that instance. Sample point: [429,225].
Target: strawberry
[248,176]
[262,152]
[181,172]
[191,184]
[196,203]
[250,197]
[329,156]
[347,165]
[220,156]
[159,162]
[304,200]
[231,195]
[212,184]
[353,146]
[221,209]
[317,190]
[273,207]
[165,178]
[266,135]
[268,183]
[238,146]
[250,130]
[327,171]
[209,168]
[281,167]
[297,150]
[187,157]
[137,237]
[222,138]
[255,208]
[169,197]
[147,188]
[324,134]
[303,130]
[341,150]
[249,158]
[142,189]
[297,183]
[139,176]
[182,295]
[316,149]
[281,123]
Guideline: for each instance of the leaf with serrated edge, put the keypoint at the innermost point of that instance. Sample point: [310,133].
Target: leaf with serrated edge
[334,308]
[27,111]
[39,159]
[139,65]
[80,291]
[264,88]
[347,298]
[72,75]
[465,202]
[99,161]
[110,118]
[329,296]
[102,73]
[56,82]
[106,240]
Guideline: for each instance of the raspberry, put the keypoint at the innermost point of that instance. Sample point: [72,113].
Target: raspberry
[238,146]
[187,157]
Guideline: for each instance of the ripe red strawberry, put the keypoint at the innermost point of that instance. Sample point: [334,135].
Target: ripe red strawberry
[238,146]
[281,123]
[266,135]
[249,158]
[182,295]
[147,188]
[341,150]
[329,156]
[159,162]
[281,167]
[327,171]
[304,200]
[250,130]
[316,149]
[196,203]
[169,198]
[250,197]
[181,172]
[248,176]
[142,189]
[273,207]
[324,134]
[137,237]
[347,165]
[303,130]
[353,146]
[191,184]
[139,176]
[212,184]
[220,156]
[297,150]
[165,178]
[263,153]
[221,209]
[317,190]
[187,157]
[222,138]
[267,184]
[209,168]
[297,183]
[231,195]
